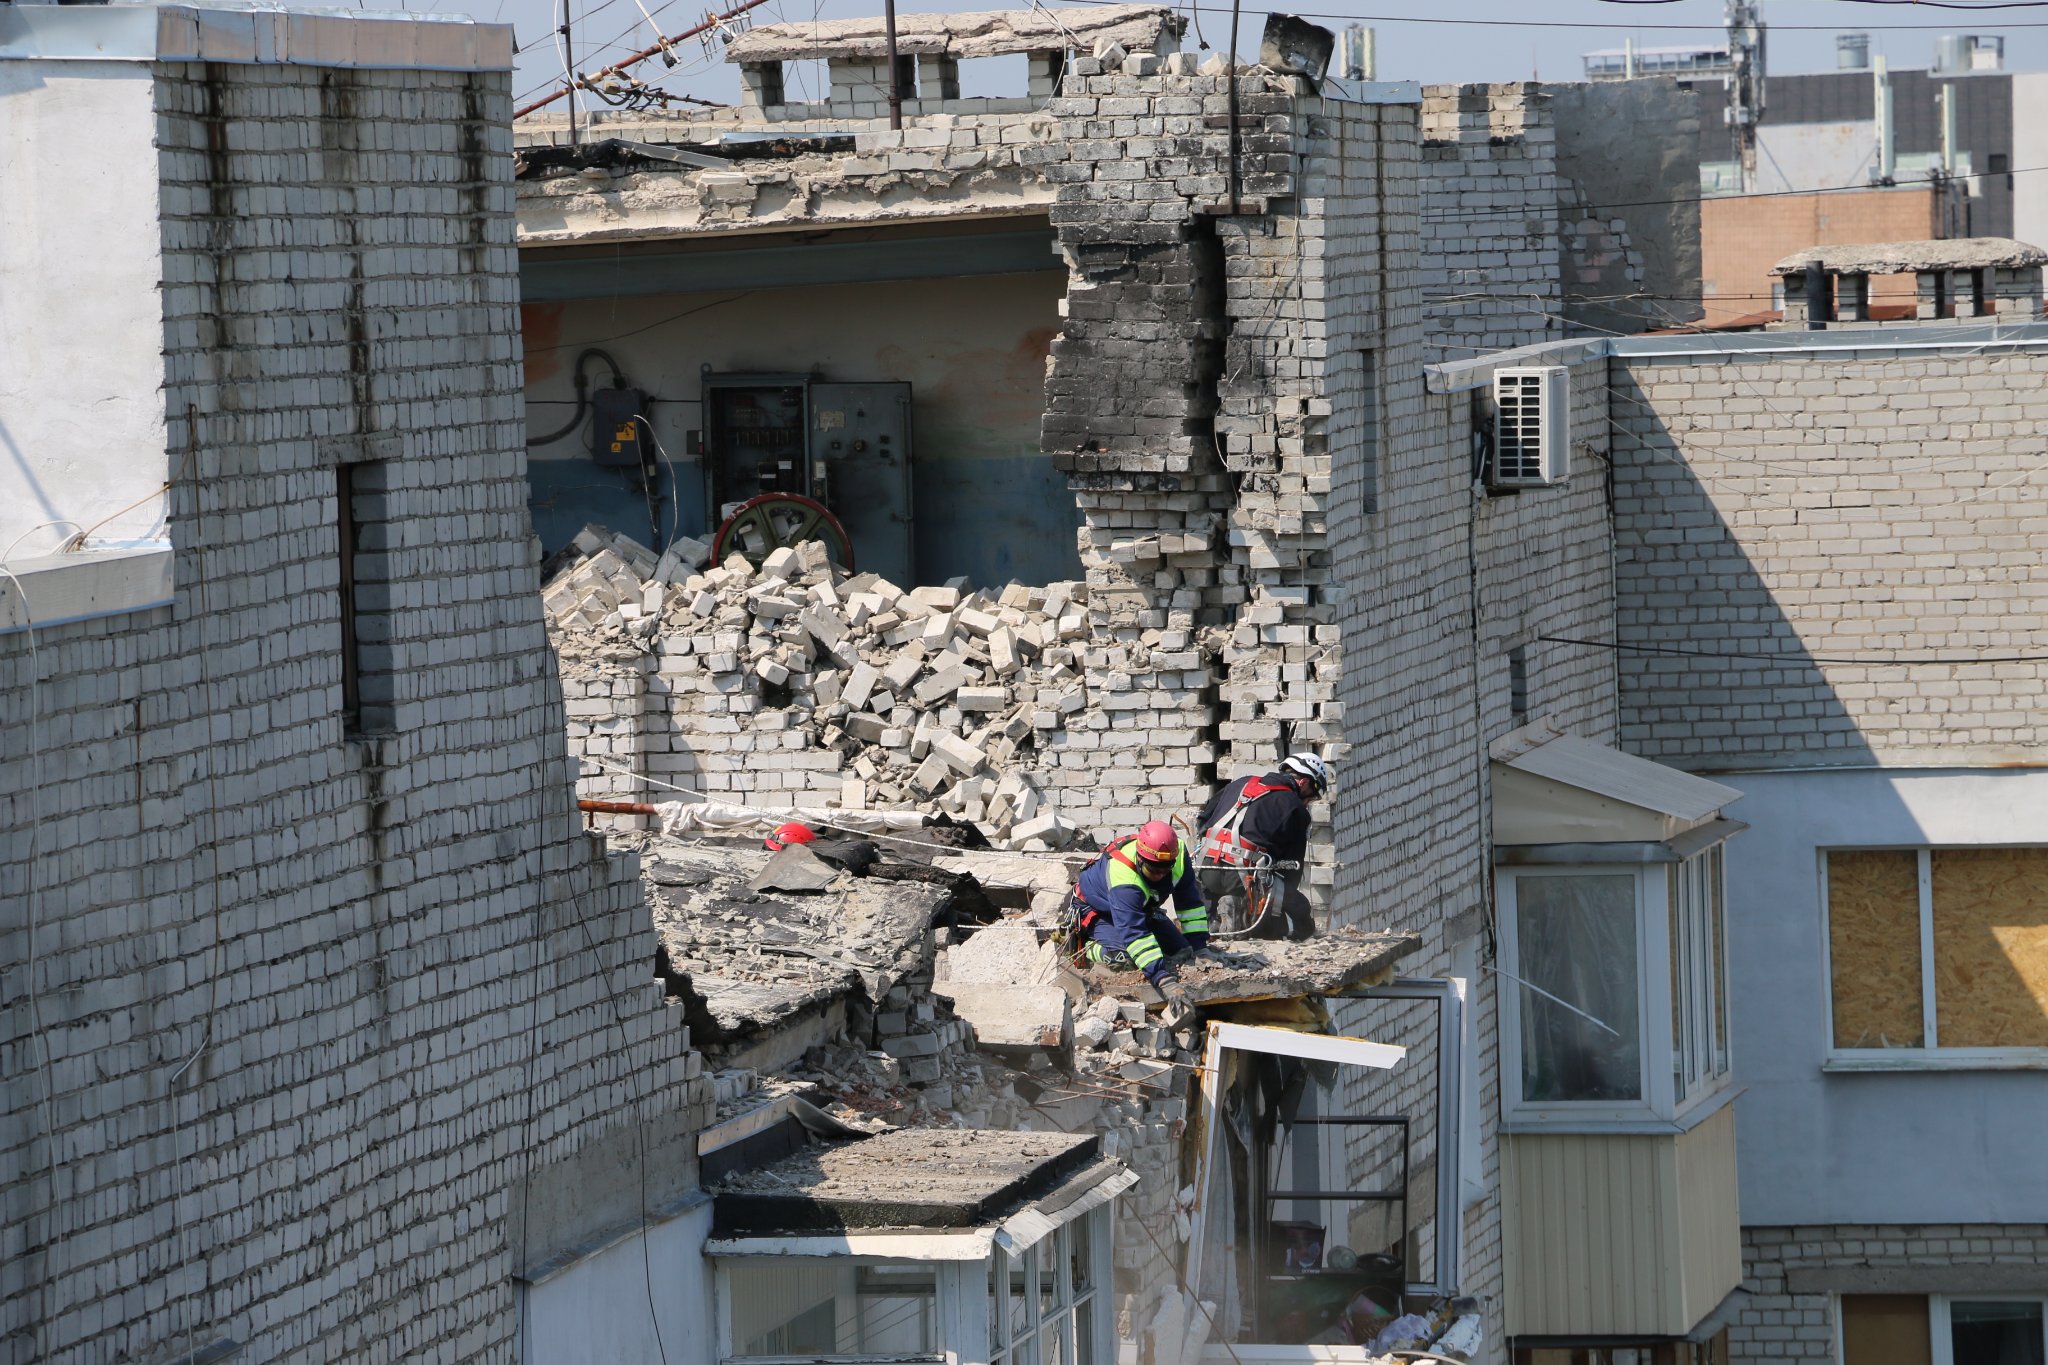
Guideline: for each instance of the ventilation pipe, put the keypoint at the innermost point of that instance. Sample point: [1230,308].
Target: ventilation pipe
[1887,152]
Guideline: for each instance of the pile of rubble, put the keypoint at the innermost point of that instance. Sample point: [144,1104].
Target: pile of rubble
[928,697]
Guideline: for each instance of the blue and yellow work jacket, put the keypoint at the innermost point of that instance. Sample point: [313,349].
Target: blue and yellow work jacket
[1114,886]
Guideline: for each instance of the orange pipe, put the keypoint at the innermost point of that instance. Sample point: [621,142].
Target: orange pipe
[617,808]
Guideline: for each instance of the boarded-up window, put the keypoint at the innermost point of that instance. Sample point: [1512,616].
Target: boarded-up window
[1885,1329]
[1991,946]
[1874,948]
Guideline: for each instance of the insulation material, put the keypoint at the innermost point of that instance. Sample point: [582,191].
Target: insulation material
[1991,947]
[1874,948]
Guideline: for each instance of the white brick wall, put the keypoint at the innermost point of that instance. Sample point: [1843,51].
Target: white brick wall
[1778,1324]
[409,979]
[1862,505]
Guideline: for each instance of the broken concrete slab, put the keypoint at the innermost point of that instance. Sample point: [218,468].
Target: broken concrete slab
[750,964]
[999,954]
[1329,964]
[908,1178]
[1911,257]
[1012,1017]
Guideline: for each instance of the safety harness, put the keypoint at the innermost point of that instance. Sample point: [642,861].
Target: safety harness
[1082,917]
[1222,844]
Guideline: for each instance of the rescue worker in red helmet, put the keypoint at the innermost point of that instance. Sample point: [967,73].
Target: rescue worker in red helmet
[1264,817]
[792,833]
[1119,907]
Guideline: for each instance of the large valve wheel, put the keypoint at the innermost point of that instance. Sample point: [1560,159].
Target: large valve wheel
[766,524]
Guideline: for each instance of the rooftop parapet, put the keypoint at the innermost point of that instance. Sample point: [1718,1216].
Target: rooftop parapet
[1972,277]
[929,50]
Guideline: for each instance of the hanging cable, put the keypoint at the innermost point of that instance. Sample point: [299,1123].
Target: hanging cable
[582,396]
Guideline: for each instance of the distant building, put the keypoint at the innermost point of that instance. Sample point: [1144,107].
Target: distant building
[1685,63]
[1821,133]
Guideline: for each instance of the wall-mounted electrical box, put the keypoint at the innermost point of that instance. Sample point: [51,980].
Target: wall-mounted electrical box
[618,428]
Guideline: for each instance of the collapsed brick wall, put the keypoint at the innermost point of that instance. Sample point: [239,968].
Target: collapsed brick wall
[312,1008]
[1858,505]
[1188,397]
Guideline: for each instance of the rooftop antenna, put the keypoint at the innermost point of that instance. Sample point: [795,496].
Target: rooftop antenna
[895,84]
[1745,83]
[568,33]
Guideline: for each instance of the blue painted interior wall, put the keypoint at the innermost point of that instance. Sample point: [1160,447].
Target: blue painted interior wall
[989,504]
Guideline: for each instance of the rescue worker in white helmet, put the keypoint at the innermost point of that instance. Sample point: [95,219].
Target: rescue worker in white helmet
[1265,816]
[1119,909]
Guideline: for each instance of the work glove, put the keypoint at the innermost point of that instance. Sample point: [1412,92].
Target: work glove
[1178,1013]
[1209,952]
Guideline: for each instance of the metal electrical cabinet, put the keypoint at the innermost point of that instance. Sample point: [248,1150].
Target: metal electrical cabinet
[860,436]
[847,446]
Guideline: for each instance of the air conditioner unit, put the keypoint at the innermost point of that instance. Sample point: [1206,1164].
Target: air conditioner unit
[1532,426]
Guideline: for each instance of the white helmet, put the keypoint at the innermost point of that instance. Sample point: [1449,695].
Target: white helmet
[1310,767]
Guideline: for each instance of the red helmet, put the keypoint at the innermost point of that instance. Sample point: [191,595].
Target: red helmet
[791,833]
[1155,848]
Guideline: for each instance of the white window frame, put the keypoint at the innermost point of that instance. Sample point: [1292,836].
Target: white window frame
[1931,1055]
[1661,1109]
[1940,1325]
[1449,995]
[969,1316]
[1941,1339]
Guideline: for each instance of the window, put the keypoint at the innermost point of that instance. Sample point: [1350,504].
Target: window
[1330,1171]
[1937,956]
[1017,1303]
[795,1307]
[1518,684]
[351,650]
[1615,985]
[1045,1303]
[1942,1329]
[1369,428]
[1711,1352]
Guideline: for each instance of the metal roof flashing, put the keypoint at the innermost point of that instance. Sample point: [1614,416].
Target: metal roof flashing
[1460,376]
[1554,788]
[253,35]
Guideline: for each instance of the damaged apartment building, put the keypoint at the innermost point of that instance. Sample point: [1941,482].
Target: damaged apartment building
[329,1033]
[1317,501]
[1044,462]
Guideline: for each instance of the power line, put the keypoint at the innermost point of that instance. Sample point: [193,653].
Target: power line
[1609,27]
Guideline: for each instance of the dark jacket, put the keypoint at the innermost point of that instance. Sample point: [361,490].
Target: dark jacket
[1136,908]
[1277,822]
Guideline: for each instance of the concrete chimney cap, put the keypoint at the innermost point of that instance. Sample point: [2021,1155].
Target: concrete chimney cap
[1908,258]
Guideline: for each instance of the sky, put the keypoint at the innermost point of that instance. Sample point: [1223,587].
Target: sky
[1446,40]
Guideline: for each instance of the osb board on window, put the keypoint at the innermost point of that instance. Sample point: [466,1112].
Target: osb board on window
[1874,948]
[1991,947]
[1885,1329]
